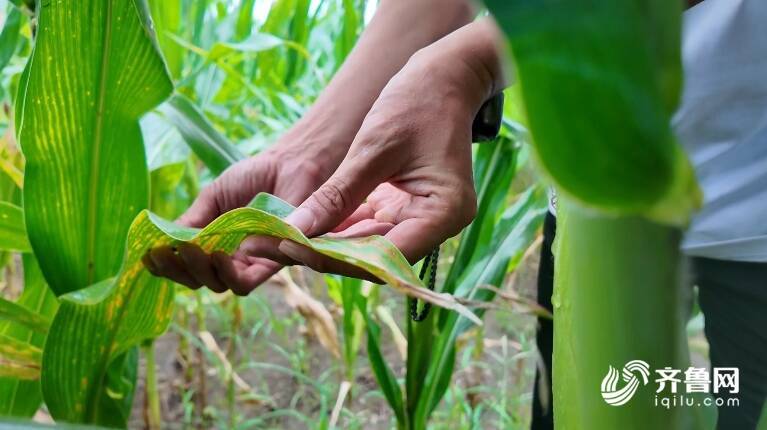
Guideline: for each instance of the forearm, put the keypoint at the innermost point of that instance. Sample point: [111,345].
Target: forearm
[398,29]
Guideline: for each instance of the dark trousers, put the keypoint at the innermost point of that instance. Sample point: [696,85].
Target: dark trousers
[733,298]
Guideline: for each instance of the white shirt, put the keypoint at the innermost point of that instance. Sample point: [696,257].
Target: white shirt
[722,124]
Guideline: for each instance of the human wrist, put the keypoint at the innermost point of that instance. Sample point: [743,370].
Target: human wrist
[466,63]
[316,143]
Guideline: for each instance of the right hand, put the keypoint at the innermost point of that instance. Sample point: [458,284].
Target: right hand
[286,171]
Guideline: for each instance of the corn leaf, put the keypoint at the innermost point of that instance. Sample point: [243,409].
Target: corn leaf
[20,352]
[613,69]
[215,150]
[166,15]
[21,315]
[93,72]
[9,38]
[97,324]
[383,373]
[13,235]
[514,233]
[20,398]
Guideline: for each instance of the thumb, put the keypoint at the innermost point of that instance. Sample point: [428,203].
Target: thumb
[336,199]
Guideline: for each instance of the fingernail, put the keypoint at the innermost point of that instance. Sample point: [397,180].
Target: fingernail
[302,219]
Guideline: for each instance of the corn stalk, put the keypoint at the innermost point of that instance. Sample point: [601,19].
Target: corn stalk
[599,82]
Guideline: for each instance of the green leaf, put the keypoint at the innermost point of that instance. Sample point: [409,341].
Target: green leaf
[169,197]
[215,150]
[384,375]
[97,324]
[13,235]
[514,233]
[166,15]
[93,72]
[22,398]
[9,38]
[495,167]
[244,20]
[18,314]
[614,72]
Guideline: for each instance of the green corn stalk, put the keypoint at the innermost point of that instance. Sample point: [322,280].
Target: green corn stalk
[617,299]
[626,191]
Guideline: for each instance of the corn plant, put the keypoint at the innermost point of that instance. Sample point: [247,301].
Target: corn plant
[95,70]
[626,191]
[490,247]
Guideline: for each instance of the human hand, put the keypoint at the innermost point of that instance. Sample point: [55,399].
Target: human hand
[286,171]
[411,160]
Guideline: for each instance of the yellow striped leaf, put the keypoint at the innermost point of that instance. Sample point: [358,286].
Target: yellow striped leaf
[96,325]
[93,72]
[20,398]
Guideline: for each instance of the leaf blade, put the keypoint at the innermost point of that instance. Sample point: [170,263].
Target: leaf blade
[80,115]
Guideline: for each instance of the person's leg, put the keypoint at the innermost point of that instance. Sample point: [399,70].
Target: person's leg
[543,415]
[733,298]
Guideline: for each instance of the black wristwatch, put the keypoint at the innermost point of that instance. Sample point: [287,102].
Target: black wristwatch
[487,123]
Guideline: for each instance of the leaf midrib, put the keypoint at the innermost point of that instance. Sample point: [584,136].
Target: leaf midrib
[97,143]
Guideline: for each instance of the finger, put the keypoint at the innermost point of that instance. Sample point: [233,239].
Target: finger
[365,211]
[241,277]
[204,209]
[364,228]
[168,264]
[341,195]
[416,237]
[323,264]
[200,266]
[265,247]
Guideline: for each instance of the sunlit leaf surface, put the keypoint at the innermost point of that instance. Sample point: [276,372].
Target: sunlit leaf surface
[93,72]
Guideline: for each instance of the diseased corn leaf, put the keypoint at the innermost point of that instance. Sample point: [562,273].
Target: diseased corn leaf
[20,398]
[99,323]
[16,350]
[215,150]
[93,72]
[13,235]
[599,80]
[21,370]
